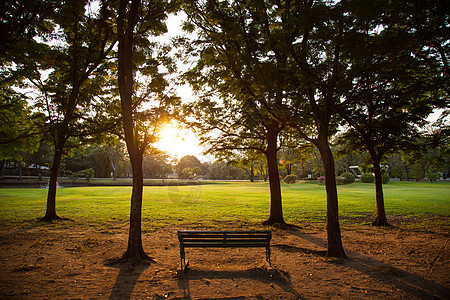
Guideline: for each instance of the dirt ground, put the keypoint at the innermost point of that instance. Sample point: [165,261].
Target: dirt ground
[67,261]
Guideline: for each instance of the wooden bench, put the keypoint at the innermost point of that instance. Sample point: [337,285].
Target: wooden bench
[223,239]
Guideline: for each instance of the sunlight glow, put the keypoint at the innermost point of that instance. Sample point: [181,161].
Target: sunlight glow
[178,141]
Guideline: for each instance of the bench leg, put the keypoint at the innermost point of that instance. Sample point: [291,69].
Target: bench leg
[268,256]
[182,257]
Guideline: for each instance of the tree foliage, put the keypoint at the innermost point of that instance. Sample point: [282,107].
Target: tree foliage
[239,63]
[60,50]
[396,82]
[18,125]
[74,80]
[188,161]
[20,23]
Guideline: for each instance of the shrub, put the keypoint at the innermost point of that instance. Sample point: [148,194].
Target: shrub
[349,177]
[321,180]
[367,178]
[290,178]
[73,175]
[197,171]
[187,173]
[88,174]
[341,180]
[385,178]
[433,176]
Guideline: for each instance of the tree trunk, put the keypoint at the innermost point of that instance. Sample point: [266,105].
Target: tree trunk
[251,174]
[276,209]
[289,169]
[335,248]
[381,219]
[163,173]
[135,251]
[50,214]
[115,161]
[2,168]
[20,171]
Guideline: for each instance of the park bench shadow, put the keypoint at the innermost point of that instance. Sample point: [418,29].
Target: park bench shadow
[126,280]
[264,275]
[400,279]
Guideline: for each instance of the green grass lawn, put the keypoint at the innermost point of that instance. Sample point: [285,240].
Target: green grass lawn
[240,203]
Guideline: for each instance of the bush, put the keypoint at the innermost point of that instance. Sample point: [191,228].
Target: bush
[187,173]
[74,176]
[321,180]
[367,178]
[385,178]
[433,176]
[341,180]
[349,177]
[290,178]
[88,174]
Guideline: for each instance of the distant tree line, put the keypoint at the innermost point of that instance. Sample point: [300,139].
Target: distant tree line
[424,163]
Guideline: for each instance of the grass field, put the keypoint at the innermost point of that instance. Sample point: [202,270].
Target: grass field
[238,203]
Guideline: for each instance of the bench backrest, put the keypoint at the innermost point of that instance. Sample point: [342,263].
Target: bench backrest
[198,238]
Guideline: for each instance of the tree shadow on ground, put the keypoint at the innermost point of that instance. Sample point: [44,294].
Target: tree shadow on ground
[127,279]
[265,275]
[295,249]
[402,280]
[32,224]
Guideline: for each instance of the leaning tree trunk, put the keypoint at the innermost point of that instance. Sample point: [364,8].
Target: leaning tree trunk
[335,248]
[276,208]
[381,219]
[50,214]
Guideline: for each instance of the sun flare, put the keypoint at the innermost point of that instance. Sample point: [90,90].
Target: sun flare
[178,141]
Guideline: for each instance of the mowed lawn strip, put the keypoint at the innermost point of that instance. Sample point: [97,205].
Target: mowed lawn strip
[211,205]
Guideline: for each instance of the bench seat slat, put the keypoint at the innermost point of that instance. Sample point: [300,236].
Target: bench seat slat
[229,243]
[224,239]
[223,231]
[250,237]
[226,236]
[259,238]
[225,246]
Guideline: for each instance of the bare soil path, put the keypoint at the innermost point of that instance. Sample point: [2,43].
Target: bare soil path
[68,261]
